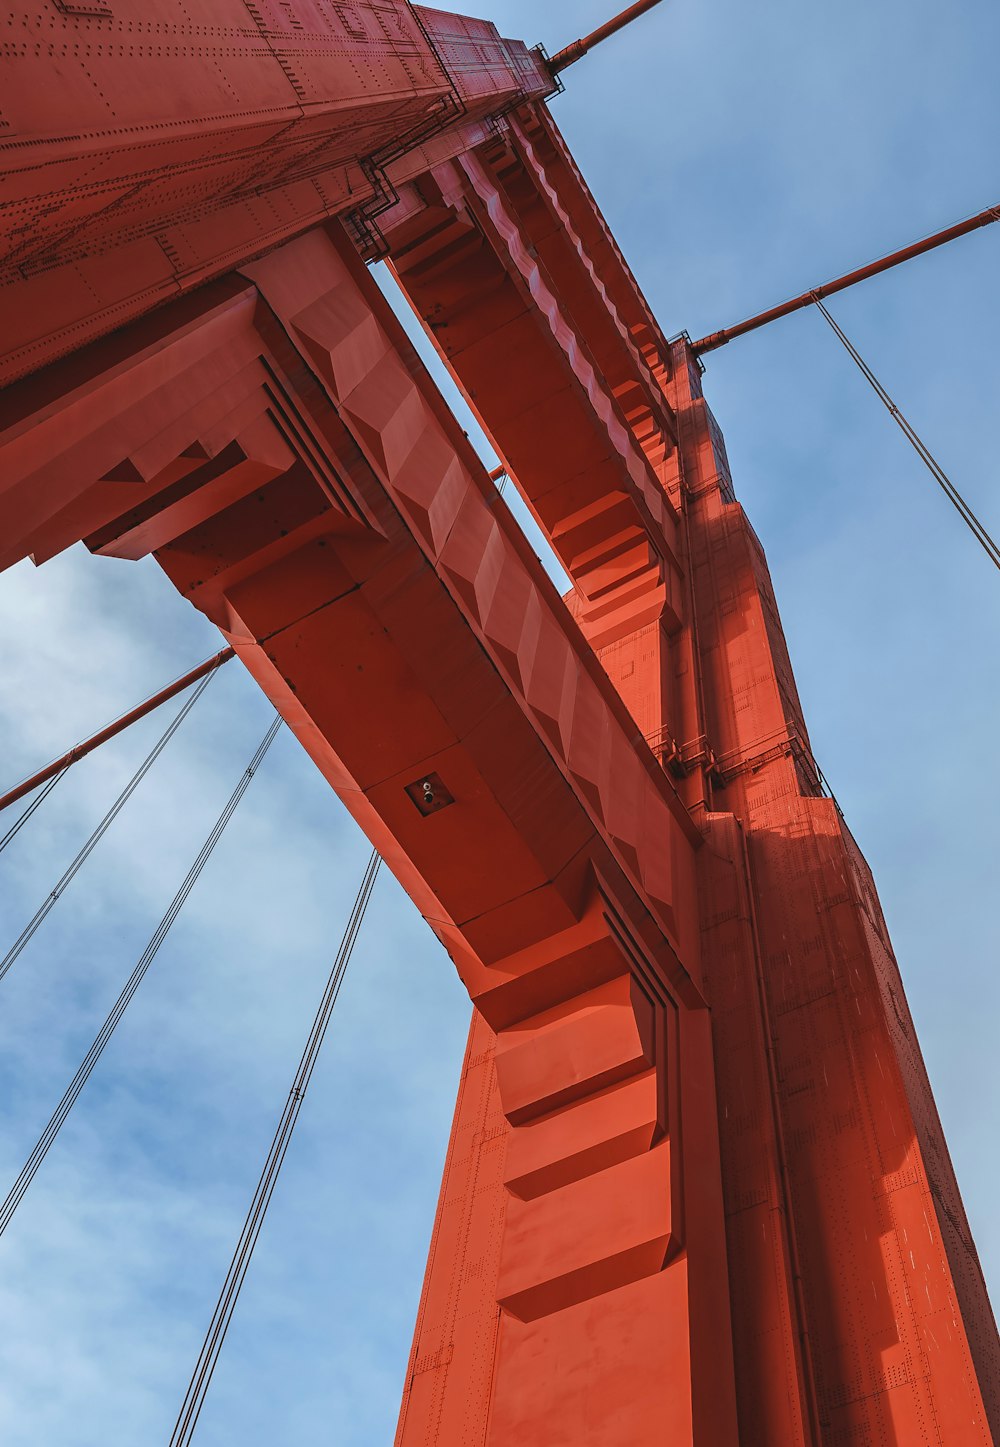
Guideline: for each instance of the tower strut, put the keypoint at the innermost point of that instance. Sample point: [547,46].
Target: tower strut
[112,730]
[809,298]
[579,48]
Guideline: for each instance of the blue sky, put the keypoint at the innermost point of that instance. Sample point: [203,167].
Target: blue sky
[741,153]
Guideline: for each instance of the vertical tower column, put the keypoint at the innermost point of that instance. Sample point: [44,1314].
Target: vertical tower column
[831,1153]
[860,1309]
[557,1305]
[587,1351]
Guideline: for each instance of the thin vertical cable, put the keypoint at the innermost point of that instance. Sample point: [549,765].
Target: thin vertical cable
[44,1143]
[201,1378]
[112,730]
[23,818]
[88,848]
[935,469]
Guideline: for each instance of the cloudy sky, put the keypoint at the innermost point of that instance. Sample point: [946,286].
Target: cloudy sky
[742,153]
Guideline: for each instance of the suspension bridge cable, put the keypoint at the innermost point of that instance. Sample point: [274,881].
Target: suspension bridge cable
[79,751]
[44,1143]
[851,278]
[49,902]
[26,814]
[951,492]
[215,1336]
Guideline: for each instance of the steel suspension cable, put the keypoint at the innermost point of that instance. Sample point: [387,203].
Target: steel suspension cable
[850,278]
[112,730]
[43,910]
[215,1336]
[951,492]
[23,817]
[44,1143]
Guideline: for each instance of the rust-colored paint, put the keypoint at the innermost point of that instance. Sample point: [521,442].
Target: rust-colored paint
[696,1191]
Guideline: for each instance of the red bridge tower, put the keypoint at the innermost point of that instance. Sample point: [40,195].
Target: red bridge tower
[697,1191]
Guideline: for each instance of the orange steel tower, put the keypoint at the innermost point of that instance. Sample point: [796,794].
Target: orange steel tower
[697,1191]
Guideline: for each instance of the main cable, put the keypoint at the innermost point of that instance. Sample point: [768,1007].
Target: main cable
[44,1143]
[944,482]
[201,1378]
[49,902]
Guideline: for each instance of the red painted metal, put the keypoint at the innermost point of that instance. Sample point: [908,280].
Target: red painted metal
[874,268]
[579,48]
[696,1191]
[706,676]
[150,146]
[81,750]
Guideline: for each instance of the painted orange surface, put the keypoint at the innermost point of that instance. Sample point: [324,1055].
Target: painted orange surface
[696,1191]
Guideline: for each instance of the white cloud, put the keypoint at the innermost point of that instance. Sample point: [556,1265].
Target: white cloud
[111,1265]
